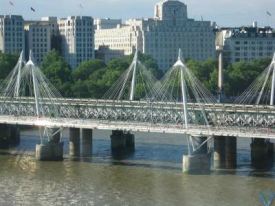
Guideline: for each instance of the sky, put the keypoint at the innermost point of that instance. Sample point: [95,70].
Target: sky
[223,12]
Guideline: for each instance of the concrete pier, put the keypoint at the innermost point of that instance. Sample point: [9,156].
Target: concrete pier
[74,142]
[225,153]
[118,141]
[230,152]
[9,136]
[87,142]
[49,151]
[219,153]
[198,163]
[122,142]
[52,150]
[130,141]
[271,150]
[261,153]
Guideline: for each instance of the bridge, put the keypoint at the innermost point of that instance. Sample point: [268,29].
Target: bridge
[189,110]
[255,121]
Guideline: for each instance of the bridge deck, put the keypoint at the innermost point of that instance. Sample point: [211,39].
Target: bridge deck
[224,119]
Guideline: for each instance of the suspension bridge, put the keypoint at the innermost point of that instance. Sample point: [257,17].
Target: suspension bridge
[178,103]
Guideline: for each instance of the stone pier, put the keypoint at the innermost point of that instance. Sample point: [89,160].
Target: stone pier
[87,142]
[230,152]
[122,142]
[199,161]
[261,153]
[51,150]
[225,153]
[130,141]
[219,153]
[74,142]
[9,136]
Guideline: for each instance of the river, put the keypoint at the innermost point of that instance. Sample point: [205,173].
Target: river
[151,176]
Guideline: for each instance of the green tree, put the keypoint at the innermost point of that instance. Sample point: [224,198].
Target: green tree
[242,74]
[7,63]
[205,72]
[58,72]
[90,87]
[151,64]
[86,68]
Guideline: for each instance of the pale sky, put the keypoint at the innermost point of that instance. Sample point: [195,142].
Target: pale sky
[224,12]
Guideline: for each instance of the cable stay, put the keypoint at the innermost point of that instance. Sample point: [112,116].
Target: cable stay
[135,83]
[262,90]
[179,85]
[26,86]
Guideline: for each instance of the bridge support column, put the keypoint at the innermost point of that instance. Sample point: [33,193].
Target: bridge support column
[87,142]
[230,152]
[52,150]
[122,142]
[199,161]
[74,142]
[9,136]
[219,153]
[271,151]
[261,153]
[130,141]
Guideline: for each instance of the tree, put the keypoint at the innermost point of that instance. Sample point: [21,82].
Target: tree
[151,64]
[7,63]
[205,72]
[86,68]
[242,74]
[90,87]
[58,72]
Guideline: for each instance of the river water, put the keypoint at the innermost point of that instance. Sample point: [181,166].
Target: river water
[151,176]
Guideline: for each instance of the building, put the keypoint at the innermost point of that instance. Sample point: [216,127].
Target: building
[11,34]
[106,54]
[245,43]
[162,36]
[38,40]
[107,23]
[77,35]
[118,41]
[40,37]
[52,22]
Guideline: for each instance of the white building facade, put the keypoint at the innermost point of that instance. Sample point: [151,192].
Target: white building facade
[77,35]
[118,41]
[162,36]
[246,43]
[12,34]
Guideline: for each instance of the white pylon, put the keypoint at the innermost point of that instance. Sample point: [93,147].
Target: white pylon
[34,81]
[180,63]
[133,83]
[273,81]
